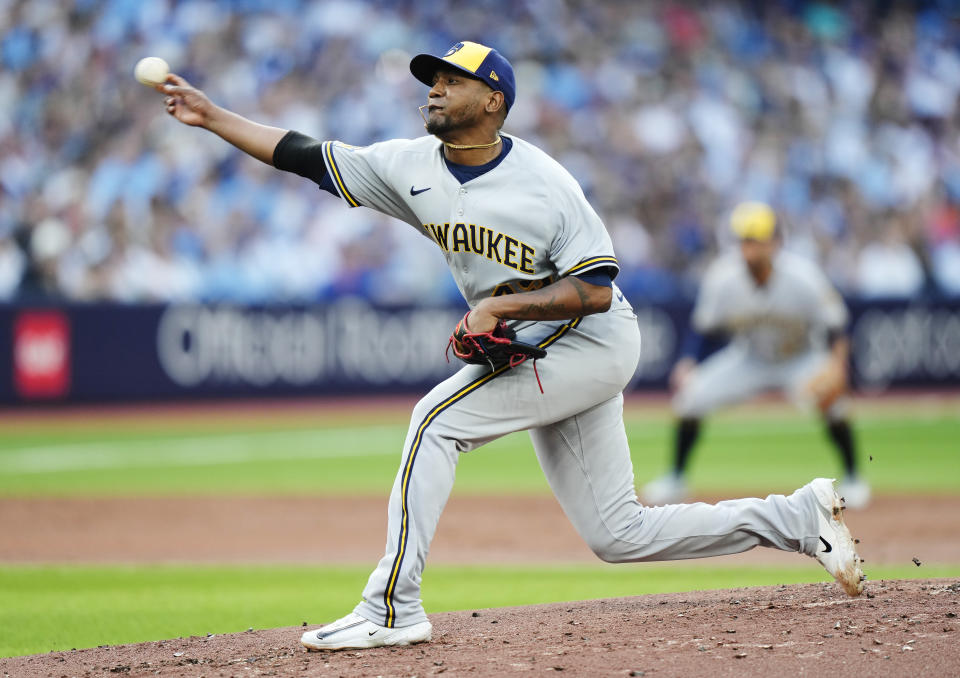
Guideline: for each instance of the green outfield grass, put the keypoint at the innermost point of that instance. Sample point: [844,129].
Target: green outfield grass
[914,450]
[63,608]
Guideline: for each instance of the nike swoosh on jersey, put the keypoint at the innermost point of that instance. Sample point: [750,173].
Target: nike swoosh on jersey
[828,548]
[419,191]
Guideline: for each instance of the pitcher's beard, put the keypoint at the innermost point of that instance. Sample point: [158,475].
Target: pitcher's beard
[446,123]
[438,126]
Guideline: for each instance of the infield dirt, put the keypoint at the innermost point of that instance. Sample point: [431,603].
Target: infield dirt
[207,530]
[898,628]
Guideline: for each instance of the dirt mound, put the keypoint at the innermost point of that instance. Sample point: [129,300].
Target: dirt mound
[897,628]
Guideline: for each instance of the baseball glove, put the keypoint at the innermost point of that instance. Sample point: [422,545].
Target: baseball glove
[496,348]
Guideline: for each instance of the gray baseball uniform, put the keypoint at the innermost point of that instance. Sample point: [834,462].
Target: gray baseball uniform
[778,333]
[519,226]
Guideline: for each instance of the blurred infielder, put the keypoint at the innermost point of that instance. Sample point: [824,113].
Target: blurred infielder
[525,246]
[787,331]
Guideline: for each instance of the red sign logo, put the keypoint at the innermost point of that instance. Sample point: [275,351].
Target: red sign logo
[41,354]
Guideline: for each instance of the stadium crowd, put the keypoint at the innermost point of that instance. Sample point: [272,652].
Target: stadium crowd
[842,115]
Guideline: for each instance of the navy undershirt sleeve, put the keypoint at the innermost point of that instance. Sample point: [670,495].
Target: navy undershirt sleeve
[303,155]
[600,276]
[326,184]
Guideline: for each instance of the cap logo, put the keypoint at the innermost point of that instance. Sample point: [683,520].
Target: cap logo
[453,50]
[493,76]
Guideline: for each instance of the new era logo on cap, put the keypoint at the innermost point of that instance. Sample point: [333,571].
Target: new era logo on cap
[475,59]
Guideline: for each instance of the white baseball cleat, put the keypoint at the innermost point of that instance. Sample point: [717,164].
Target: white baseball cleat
[355,632]
[855,492]
[836,551]
[667,489]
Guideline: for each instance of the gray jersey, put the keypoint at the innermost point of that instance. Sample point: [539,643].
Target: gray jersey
[787,317]
[516,228]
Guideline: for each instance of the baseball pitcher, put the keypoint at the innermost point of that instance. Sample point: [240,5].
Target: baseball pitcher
[550,342]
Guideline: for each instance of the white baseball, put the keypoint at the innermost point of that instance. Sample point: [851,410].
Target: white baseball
[151,71]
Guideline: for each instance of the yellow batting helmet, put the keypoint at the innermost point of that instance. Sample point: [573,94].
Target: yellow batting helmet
[753,221]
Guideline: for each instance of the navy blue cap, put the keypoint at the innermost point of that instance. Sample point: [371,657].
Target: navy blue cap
[478,61]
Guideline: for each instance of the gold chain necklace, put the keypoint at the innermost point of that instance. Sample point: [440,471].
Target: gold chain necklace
[462,147]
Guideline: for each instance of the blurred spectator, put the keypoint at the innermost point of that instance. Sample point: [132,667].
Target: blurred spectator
[887,267]
[844,116]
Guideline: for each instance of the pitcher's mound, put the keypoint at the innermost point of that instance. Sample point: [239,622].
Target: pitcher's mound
[897,628]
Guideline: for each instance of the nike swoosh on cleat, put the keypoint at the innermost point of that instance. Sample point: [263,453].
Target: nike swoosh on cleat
[828,548]
[321,635]
[373,632]
[419,191]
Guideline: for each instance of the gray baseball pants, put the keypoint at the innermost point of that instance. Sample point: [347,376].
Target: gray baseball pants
[732,375]
[577,431]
